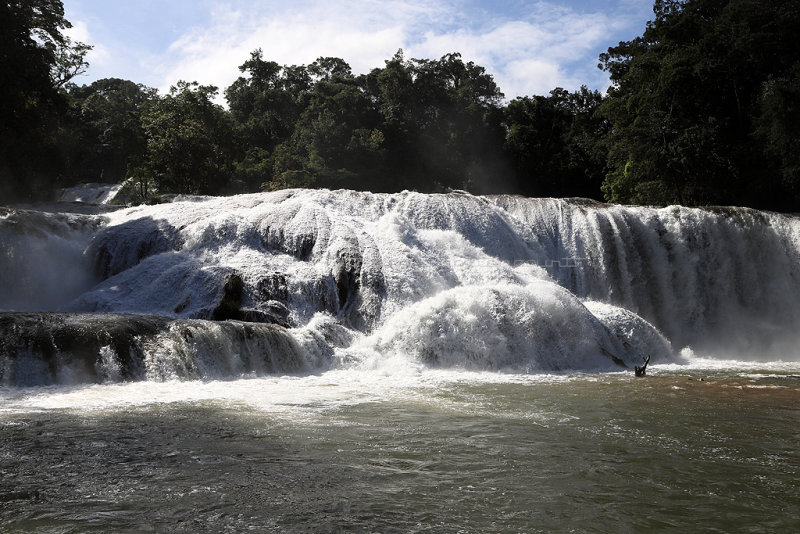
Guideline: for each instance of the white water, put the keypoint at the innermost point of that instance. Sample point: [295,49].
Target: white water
[307,397]
[90,193]
[42,260]
[444,281]
[436,370]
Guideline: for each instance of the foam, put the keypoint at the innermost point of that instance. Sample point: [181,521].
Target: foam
[399,281]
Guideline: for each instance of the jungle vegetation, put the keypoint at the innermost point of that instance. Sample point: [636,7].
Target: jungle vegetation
[703,108]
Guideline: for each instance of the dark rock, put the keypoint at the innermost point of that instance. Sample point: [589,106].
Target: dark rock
[51,342]
[231,303]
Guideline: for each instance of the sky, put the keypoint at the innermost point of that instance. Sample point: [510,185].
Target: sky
[530,47]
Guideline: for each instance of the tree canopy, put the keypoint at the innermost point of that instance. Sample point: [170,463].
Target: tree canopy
[37,60]
[703,108]
[703,105]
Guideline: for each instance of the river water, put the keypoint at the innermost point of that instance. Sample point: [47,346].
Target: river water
[338,361]
[707,446]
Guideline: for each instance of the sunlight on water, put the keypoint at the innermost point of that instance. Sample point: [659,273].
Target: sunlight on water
[301,397]
[698,447]
[292,397]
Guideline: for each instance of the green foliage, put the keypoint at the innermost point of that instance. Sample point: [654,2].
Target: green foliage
[441,124]
[698,105]
[104,136]
[327,136]
[265,105]
[778,127]
[704,108]
[557,143]
[139,188]
[188,141]
[36,59]
[414,124]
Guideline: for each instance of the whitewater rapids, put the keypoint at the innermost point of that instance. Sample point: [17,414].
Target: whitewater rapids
[317,280]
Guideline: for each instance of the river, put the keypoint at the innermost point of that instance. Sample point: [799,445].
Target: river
[695,447]
[341,361]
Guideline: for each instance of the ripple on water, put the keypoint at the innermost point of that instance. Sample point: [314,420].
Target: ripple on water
[433,452]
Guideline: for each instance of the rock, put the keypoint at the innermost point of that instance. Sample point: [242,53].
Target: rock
[231,303]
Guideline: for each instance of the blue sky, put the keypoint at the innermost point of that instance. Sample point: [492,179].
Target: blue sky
[529,46]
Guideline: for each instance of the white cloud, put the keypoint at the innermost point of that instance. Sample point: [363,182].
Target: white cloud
[222,48]
[99,55]
[526,57]
[545,46]
[556,47]
[537,76]
[212,55]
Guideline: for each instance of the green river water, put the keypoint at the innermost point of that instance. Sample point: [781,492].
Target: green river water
[433,451]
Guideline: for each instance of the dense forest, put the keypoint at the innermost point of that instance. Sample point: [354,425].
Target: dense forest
[703,108]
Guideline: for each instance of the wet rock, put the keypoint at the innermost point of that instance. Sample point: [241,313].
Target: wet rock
[60,348]
[231,303]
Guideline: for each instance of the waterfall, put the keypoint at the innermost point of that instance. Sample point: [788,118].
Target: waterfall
[719,279]
[341,277]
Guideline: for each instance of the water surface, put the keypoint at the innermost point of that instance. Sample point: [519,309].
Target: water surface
[431,451]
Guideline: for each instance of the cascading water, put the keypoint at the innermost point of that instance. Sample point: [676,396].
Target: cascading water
[723,280]
[42,261]
[303,280]
[90,193]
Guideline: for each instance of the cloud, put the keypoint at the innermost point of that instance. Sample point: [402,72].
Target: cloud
[99,55]
[363,33]
[538,76]
[530,49]
[530,57]
[213,54]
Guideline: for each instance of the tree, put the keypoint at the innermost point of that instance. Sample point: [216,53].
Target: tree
[691,108]
[328,69]
[778,128]
[264,107]
[458,114]
[189,141]
[37,60]
[265,104]
[441,123]
[336,141]
[104,137]
[418,124]
[557,143]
